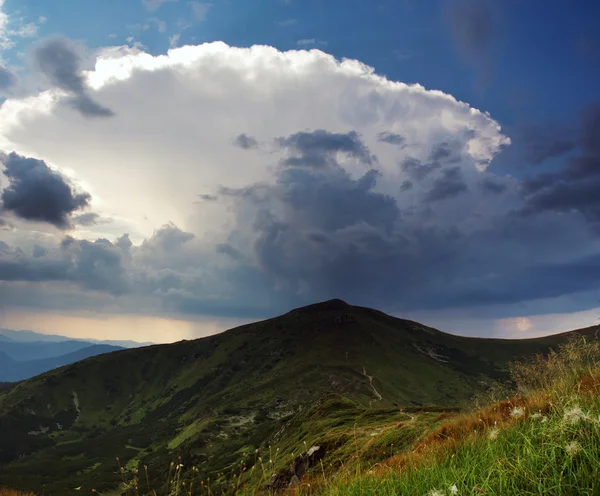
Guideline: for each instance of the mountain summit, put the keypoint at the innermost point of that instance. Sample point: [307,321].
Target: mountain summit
[282,381]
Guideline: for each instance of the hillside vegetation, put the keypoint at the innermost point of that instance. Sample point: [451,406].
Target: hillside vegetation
[319,390]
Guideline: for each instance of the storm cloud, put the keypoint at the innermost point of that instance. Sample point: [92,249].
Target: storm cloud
[58,59]
[387,201]
[574,187]
[37,193]
[318,148]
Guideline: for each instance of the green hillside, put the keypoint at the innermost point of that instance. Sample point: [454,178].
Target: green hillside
[311,376]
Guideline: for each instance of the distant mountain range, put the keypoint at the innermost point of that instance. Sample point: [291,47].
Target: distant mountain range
[24,354]
[24,336]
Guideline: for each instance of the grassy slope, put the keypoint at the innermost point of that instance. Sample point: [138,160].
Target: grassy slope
[547,442]
[285,381]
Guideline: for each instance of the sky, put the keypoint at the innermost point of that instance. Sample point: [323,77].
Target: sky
[171,168]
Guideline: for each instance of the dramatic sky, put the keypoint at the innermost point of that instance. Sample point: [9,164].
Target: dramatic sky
[171,168]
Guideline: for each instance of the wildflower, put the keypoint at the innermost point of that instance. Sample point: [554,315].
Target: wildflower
[493,433]
[536,416]
[572,448]
[453,490]
[517,412]
[544,419]
[575,415]
[435,492]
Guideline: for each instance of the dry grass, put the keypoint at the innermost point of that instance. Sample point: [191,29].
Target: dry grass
[11,492]
[543,383]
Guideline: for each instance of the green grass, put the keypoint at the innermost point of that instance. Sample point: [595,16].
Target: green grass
[546,454]
[547,442]
[236,407]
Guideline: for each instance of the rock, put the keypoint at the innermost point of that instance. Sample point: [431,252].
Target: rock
[294,482]
[300,465]
[280,480]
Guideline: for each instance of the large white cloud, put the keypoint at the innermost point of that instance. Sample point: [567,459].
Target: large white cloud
[177,114]
[260,164]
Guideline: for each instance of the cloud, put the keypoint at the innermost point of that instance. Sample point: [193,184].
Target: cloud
[493,185]
[319,148]
[200,9]
[573,187]
[153,5]
[326,207]
[37,193]
[450,184]
[13,28]
[206,197]
[304,42]
[246,142]
[97,265]
[534,144]
[58,59]
[8,79]
[90,219]
[391,138]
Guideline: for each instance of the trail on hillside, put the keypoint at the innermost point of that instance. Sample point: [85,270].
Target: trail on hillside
[370,377]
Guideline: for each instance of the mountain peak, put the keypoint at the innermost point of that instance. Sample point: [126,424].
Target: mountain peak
[325,306]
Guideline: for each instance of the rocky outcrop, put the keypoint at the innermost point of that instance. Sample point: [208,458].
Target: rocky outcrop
[299,466]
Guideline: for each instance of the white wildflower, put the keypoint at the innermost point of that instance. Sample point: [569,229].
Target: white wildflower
[435,492]
[453,490]
[572,448]
[517,412]
[536,416]
[544,419]
[575,415]
[493,434]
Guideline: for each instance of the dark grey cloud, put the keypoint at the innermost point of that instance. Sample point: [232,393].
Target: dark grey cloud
[8,79]
[90,219]
[391,138]
[406,185]
[590,129]
[574,187]
[60,61]
[446,152]
[227,249]
[246,142]
[39,251]
[534,144]
[37,193]
[492,185]
[207,197]
[418,170]
[450,184]
[318,148]
[97,265]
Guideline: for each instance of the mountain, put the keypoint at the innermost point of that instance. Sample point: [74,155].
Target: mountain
[37,350]
[327,374]
[24,336]
[12,370]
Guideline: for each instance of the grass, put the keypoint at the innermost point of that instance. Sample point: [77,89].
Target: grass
[545,442]
[233,409]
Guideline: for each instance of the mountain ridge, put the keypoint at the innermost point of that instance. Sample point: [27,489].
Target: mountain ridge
[299,377]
